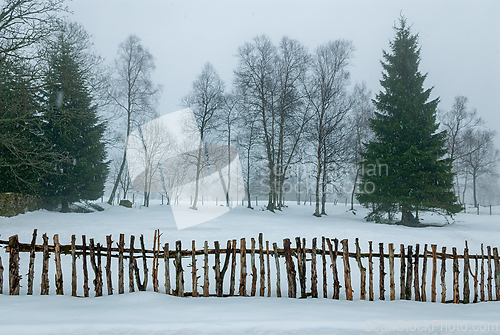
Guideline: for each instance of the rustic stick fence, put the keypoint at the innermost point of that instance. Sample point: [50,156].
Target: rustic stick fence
[482,269]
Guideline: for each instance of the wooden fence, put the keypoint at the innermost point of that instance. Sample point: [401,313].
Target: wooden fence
[412,263]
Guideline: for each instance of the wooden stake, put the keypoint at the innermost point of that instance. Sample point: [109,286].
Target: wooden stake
[121,247]
[475,276]
[409,273]
[290,269]
[382,271]
[144,266]
[416,285]
[456,272]
[57,258]
[179,272]
[482,274]
[391,272]
[109,244]
[424,274]
[14,277]
[362,270]
[434,272]
[323,259]
[490,275]
[97,279]
[166,259]
[131,265]
[347,270]
[243,273]
[85,272]
[262,266]
[371,295]
[31,271]
[254,269]
[45,266]
[443,272]
[268,270]
[402,280]
[219,274]
[217,267]
[314,272]
[300,268]
[194,275]
[233,269]
[206,280]
[333,258]
[497,273]
[466,275]
[73,266]
[154,269]
[277,261]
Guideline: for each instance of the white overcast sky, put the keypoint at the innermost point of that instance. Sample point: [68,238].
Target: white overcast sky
[460,40]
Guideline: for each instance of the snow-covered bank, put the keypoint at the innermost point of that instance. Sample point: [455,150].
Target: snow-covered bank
[153,313]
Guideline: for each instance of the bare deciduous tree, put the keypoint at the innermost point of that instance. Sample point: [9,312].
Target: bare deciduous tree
[133,92]
[206,101]
[327,97]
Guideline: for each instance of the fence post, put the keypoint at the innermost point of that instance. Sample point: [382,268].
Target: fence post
[300,267]
[243,270]
[84,264]
[14,265]
[443,272]
[267,262]
[121,246]
[347,269]
[262,266]
[424,274]
[109,244]
[362,271]
[333,258]
[277,261]
[370,271]
[45,266]
[323,259]
[391,272]
[456,272]
[131,265]
[233,269]
[434,273]
[254,269]
[497,273]
[31,270]
[466,275]
[290,269]
[409,273]
[482,274]
[402,280]
[416,285]
[73,265]
[382,271]
[490,276]
[194,275]
[314,272]
[179,276]
[166,259]
[206,280]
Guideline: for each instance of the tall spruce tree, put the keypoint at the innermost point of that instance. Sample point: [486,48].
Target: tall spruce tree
[73,126]
[404,169]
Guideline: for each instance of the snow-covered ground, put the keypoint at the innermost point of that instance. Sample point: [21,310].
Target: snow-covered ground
[157,313]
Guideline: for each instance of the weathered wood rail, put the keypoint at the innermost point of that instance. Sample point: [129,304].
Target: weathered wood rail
[483,270]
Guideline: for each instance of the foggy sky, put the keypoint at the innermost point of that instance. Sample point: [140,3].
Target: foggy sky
[460,40]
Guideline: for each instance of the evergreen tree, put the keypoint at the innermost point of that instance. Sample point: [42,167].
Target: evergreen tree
[73,127]
[404,168]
